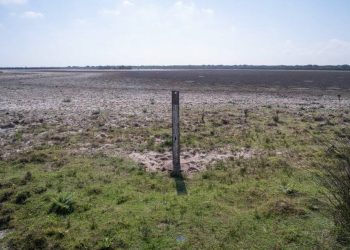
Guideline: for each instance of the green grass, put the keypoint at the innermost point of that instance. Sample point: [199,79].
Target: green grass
[53,199]
[233,205]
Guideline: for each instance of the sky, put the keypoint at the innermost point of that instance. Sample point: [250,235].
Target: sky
[36,33]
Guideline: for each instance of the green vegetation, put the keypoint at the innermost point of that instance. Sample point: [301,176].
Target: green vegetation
[63,205]
[336,178]
[109,203]
[55,197]
[67,99]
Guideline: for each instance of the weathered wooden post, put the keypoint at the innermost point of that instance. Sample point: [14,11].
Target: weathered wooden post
[176,133]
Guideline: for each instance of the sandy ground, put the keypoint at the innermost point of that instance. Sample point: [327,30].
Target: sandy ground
[70,101]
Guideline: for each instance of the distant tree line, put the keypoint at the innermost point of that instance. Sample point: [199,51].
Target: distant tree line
[345,67]
[244,66]
[107,67]
[102,67]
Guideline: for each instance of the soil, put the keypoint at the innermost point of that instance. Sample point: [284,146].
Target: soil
[66,104]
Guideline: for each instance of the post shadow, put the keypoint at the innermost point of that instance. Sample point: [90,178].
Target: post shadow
[181,188]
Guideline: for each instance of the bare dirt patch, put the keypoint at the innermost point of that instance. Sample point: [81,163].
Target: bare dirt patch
[113,112]
[191,161]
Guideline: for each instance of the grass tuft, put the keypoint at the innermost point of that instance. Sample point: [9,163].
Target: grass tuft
[63,205]
[336,179]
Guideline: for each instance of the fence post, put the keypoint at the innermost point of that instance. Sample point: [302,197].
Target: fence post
[176,133]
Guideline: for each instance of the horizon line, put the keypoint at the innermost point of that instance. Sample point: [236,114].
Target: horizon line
[179,65]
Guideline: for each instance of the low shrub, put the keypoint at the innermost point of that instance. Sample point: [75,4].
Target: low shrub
[336,179]
[63,205]
[67,100]
[21,198]
[26,178]
[5,196]
[4,221]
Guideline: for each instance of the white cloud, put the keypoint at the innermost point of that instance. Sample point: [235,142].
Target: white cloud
[109,12]
[208,11]
[128,3]
[32,15]
[116,11]
[185,7]
[15,2]
[189,9]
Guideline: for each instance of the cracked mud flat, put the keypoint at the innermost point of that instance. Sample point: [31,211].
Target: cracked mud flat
[54,108]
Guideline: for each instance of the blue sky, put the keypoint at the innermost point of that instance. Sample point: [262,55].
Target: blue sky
[163,32]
